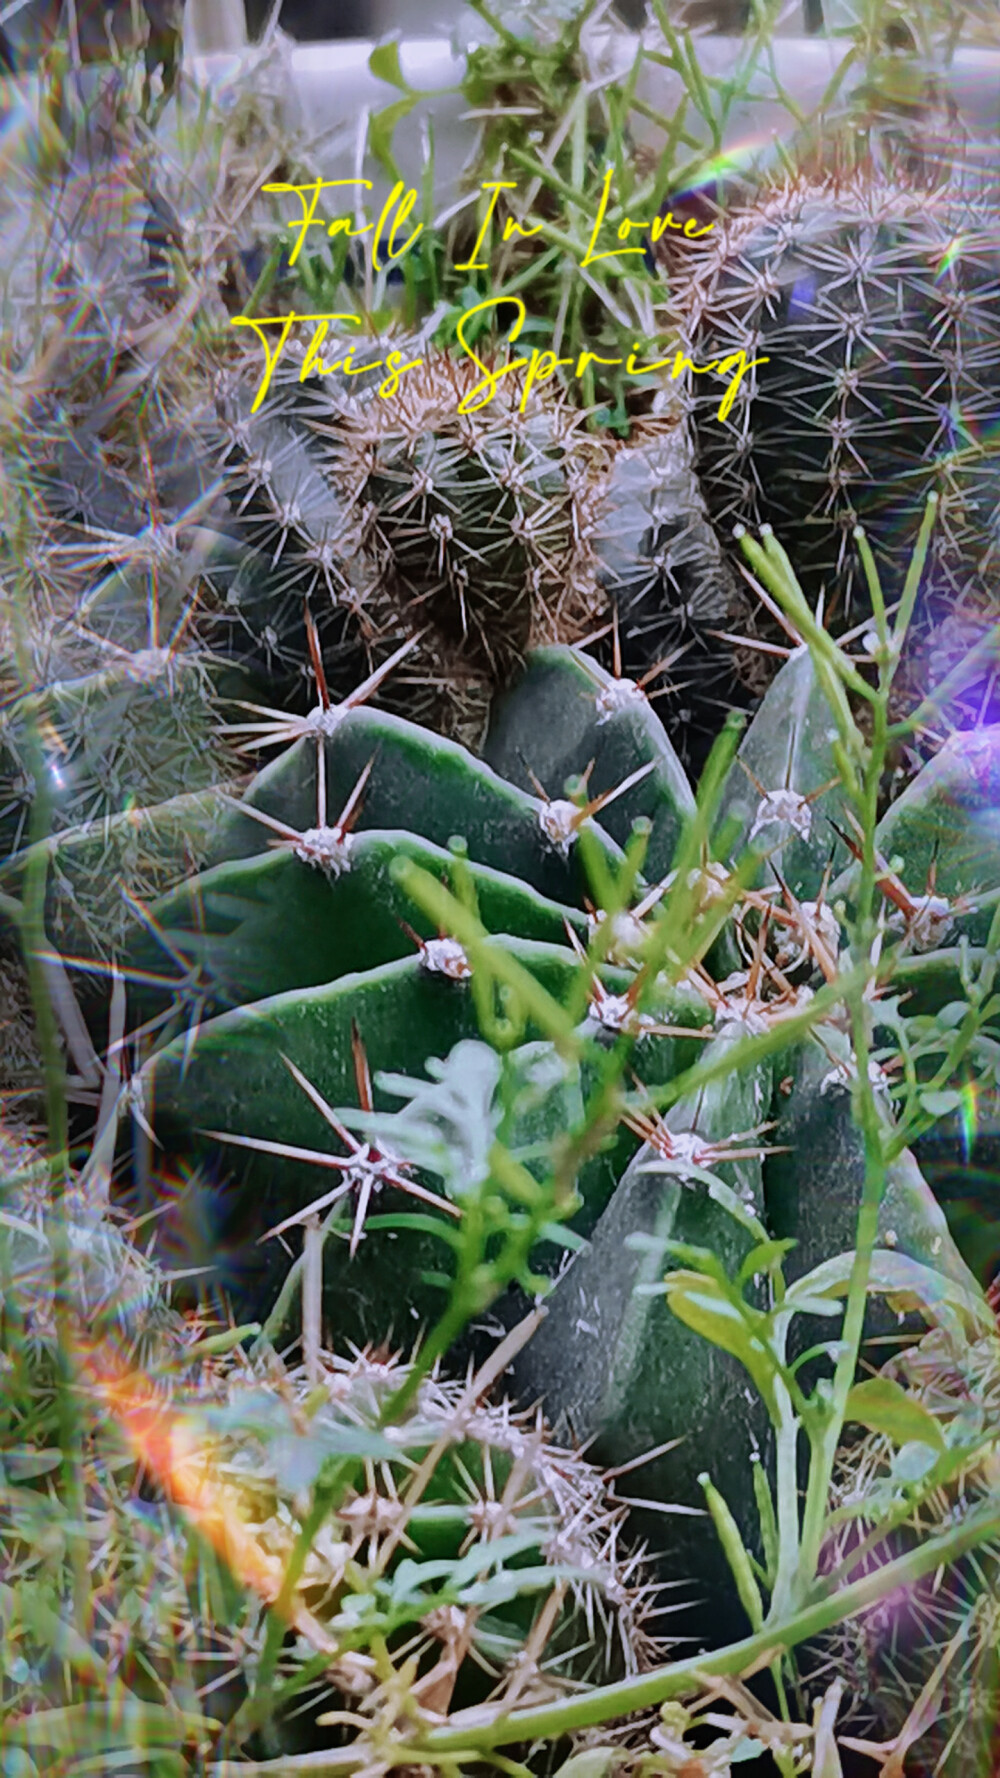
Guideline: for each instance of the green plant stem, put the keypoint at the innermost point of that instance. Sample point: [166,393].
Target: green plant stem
[826,1440]
[787,1501]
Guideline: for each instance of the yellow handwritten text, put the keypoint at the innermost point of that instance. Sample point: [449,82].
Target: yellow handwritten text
[399,201]
[656,228]
[511,227]
[541,366]
[313,363]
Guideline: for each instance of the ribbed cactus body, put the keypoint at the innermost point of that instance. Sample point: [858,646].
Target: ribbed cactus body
[290,539]
[120,749]
[673,591]
[875,306]
[943,1626]
[476,525]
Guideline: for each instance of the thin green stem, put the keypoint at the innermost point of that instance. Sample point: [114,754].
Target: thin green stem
[825,1443]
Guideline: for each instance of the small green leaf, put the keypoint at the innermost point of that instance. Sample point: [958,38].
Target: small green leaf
[224,1342]
[761,1259]
[766,1517]
[951,1015]
[382,129]
[736,1552]
[698,1259]
[701,1304]
[939,1104]
[884,1406]
[384,64]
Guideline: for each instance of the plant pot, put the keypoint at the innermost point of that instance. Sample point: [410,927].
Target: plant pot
[330,85]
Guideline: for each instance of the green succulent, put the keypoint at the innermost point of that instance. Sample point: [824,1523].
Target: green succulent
[303,990]
[867,302]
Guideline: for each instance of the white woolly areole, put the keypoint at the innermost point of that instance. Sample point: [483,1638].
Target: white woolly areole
[845,1071]
[786,807]
[928,925]
[820,919]
[627,933]
[325,721]
[445,956]
[688,1149]
[710,882]
[615,1012]
[621,694]
[327,847]
[558,822]
[740,1021]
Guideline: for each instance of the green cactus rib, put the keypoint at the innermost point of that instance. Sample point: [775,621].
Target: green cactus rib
[825,1165]
[566,714]
[268,924]
[229,1076]
[612,1361]
[946,829]
[424,784]
[788,747]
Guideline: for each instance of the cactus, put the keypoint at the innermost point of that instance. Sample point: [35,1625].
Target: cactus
[462,1539]
[287,545]
[402,517]
[610,1359]
[942,1634]
[478,517]
[119,741]
[674,594]
[313,948]
[871,305]
[565,708]
[944,831]
[311,980]
[612,1362]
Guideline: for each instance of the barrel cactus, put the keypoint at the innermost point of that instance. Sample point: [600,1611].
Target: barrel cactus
[611,1360]
[415,514]
[463,1551]
[124,729]
[868,304]
[298,990]
[940,1639]
[679,605]
[301,942]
